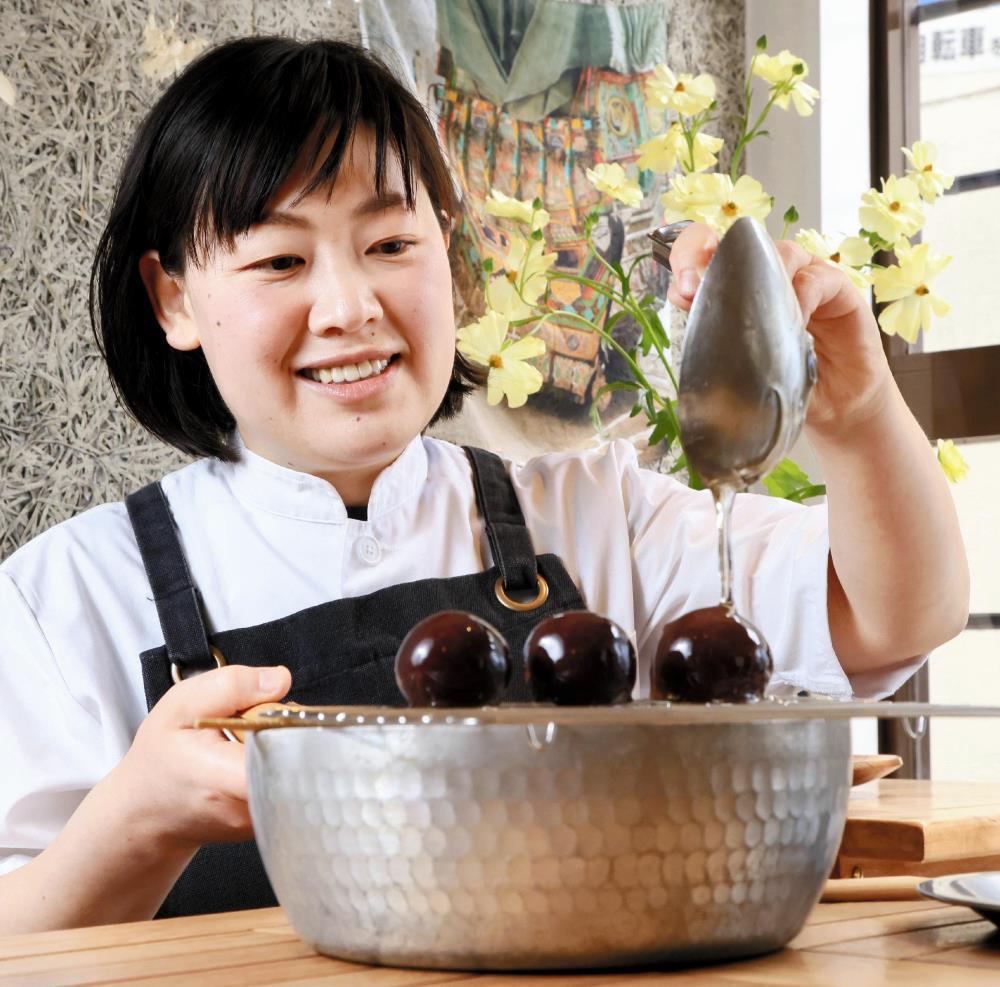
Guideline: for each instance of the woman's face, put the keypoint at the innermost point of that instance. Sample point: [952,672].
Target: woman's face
[329,327]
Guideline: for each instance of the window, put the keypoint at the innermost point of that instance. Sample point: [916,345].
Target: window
[936,74]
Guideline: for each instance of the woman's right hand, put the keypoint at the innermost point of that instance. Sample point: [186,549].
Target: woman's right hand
[185,786]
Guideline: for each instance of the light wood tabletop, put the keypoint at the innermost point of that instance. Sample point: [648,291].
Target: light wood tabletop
[910,944]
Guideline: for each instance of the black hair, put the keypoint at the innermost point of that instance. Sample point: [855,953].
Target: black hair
[204,164]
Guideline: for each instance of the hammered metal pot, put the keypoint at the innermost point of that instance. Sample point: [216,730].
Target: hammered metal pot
[574,841]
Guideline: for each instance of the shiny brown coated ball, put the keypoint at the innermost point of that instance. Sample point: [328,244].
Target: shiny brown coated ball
[579,658]
[711,655]
[452,658]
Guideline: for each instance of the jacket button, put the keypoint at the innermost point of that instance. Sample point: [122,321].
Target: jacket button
[368,549]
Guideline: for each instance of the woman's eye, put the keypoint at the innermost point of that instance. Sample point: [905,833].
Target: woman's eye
[280,263]
[390,248]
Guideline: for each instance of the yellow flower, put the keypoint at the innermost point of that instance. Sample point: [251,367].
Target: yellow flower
[894,212]
[779,71]
[906,286]
[502,297]
[954,466]
[930,182]
[166,53]
[526,265]
[851,253]
[684,93]
[715,200]
[611,178]
[485,342]
[663,153]
[521,211]
[7,91]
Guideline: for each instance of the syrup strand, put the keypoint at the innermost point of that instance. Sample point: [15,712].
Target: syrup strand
[724,496]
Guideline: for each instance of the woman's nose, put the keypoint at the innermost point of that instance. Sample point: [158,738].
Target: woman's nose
[344,301]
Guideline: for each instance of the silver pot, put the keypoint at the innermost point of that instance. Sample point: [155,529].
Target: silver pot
[538,837]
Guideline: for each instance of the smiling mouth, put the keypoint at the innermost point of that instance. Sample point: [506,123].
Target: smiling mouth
[347,373]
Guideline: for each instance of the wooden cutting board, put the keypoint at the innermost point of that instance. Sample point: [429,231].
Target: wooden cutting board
[920,827]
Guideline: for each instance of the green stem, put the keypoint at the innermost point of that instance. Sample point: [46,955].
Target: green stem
[598,286]
[749,136]
[635,262]
[638,313]
[640,377]
[631,306]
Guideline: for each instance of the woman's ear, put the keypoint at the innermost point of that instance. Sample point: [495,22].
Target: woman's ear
[170,305]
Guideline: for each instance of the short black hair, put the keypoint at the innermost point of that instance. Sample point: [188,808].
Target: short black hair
[204,164]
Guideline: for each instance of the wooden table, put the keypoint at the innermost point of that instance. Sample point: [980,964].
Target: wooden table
[920,827]
[910,944]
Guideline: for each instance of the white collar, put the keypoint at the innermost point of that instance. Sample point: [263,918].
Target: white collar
[262,484]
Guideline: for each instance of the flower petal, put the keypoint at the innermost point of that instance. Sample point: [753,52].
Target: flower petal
[524,348]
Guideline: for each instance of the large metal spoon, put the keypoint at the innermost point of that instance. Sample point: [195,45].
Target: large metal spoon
[748,364]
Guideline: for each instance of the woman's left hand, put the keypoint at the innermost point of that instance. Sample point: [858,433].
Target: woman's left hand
[854,377]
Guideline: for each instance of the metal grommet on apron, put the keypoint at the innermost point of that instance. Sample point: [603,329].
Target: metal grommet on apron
[533,604]
[339,653]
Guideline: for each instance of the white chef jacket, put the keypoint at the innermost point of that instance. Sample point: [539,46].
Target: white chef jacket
[263,542]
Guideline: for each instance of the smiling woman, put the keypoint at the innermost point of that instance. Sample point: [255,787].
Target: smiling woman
[239,173]
[282,222]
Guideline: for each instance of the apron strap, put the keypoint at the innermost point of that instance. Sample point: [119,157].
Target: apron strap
[510,541]
[174,592]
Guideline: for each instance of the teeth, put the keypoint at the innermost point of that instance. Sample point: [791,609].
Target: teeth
[350,372]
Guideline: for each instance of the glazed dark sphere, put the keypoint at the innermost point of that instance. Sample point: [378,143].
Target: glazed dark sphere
[452,658]
[711,655]
[579,658]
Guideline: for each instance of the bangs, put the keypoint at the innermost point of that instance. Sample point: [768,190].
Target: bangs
[278,105]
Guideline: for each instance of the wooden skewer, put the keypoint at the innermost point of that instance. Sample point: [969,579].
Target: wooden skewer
[249,720]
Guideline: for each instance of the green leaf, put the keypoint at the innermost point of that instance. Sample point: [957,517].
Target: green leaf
[762,42]
[537,235]
[805,493]
[536,203]
[614,319]
[789,481]
[784,478]
[636,409]
[652,316]
[791,215]
[488,265]
[665,429]
[615,385]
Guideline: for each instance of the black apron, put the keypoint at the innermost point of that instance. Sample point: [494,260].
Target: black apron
[339,653]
